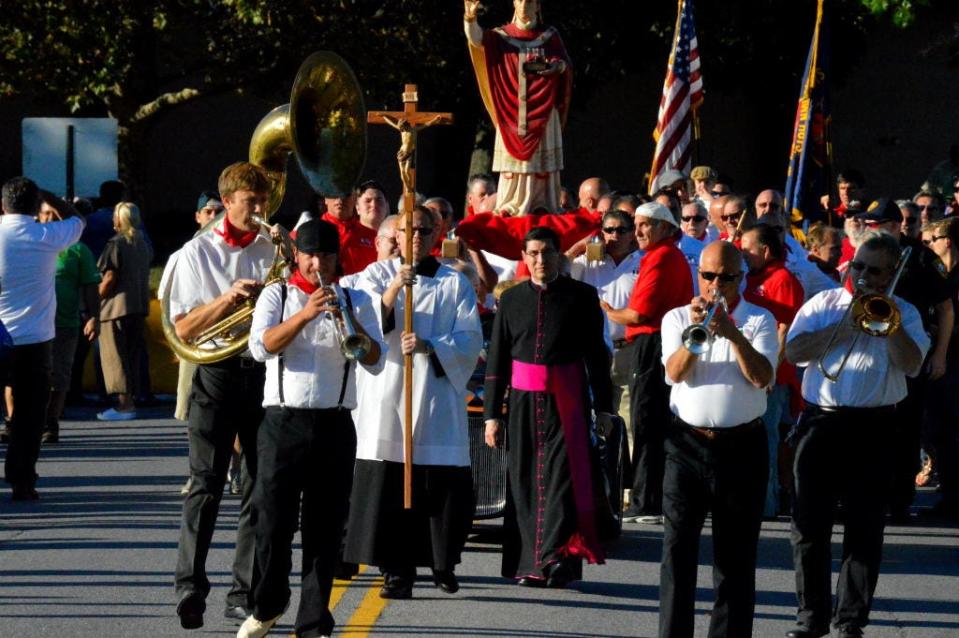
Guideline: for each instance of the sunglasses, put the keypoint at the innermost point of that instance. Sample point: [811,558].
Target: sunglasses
[875,271]
[619,230]
[694,218]
[934,239]
[718,193]
[932,207]
[731,218]
[418,230]
[723,278]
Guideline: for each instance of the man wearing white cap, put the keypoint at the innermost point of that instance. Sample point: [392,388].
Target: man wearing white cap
[664,283]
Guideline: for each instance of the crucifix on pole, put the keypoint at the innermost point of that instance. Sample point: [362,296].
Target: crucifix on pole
[408,122]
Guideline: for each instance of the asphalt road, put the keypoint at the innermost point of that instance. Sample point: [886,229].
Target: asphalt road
[95,557]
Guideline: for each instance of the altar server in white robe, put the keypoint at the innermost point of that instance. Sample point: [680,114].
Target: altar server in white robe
[445,343]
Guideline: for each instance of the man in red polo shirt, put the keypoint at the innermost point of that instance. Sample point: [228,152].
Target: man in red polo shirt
[664,283]
[771,286]
[357,234]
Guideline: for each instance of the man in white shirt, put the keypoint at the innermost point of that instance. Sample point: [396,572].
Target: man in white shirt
[28,305]
[215,272]
[445,344]
[843,439]
[307,442]
[614,277]
[716,455]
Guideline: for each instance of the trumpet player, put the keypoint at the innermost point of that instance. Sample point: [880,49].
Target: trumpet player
[719,353]
[307,442]
[844,437]
[216,271]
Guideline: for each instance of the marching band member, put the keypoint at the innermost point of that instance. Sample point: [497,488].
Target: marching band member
[307,442]
[215,272]
[445,344]
[843,439]
[716,454]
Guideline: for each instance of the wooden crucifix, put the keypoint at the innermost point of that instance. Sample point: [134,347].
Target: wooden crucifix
[408,122]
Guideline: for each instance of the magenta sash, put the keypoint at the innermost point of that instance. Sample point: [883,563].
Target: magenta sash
[565,382]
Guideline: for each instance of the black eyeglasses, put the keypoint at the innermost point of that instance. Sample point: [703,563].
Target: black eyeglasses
[694,218]
[619,230]
[418,230]
[875,271]
[723,277]
[731,218]
[934,239]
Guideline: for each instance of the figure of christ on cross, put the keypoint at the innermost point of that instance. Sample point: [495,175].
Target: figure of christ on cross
[408,122]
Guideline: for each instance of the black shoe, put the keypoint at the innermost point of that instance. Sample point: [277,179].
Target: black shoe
[23,492]
[446,580]
[560,575]
[50,436]
[396,587]
[345,570]
[190,610]
[803,632]
[236,612]
[529,581]
[849,631]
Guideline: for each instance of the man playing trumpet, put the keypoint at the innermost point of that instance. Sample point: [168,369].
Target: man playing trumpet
[217,271]
[851,386]
[307,442]
[716,454]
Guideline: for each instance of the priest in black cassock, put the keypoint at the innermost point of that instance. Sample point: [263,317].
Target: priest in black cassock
[548,348]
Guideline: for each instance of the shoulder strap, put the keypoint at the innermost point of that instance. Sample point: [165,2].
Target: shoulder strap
[346,363]
[279,366]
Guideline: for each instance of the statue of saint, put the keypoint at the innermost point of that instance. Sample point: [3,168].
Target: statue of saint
[525,79]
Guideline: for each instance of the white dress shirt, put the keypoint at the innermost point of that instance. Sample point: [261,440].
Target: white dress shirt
[314,369]
[869,378]
[715,394]
[28,270]
[614,282]
[208,266]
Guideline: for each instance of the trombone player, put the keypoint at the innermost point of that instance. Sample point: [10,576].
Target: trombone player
[853,380]
[311,342]
[719,354]
[216,271]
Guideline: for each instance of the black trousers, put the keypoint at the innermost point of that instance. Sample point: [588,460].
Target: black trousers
[649,407]
[942,425]
[309,453]
[840,455]
[906,435]
[226,401]
[29,370]
[727,476]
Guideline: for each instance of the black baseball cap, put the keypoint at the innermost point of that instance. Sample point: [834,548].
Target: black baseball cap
[318,236]
[880,211]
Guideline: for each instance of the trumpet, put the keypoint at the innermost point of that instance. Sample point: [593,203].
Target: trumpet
[353,345]
[697,338]
[875,314]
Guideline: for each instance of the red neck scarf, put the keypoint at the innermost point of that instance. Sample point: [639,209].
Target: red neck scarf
[233,236]
[303,283]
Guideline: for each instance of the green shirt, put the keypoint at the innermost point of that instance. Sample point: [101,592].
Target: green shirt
[75,268]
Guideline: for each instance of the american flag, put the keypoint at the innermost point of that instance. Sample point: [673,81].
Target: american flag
[682,95]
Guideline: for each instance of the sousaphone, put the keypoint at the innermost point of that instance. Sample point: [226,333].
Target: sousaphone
[324,127]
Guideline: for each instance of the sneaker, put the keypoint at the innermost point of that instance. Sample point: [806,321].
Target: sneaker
[186,486]
[631,513]
[652,519]
[113,414]
[253,628]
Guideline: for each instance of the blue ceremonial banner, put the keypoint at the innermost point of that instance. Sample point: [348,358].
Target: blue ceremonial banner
[809,175]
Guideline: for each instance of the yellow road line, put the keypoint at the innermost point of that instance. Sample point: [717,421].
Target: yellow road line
[339,588]
[361,622]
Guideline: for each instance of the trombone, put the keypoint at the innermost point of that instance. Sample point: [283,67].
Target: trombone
[697,338]
[875,314]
